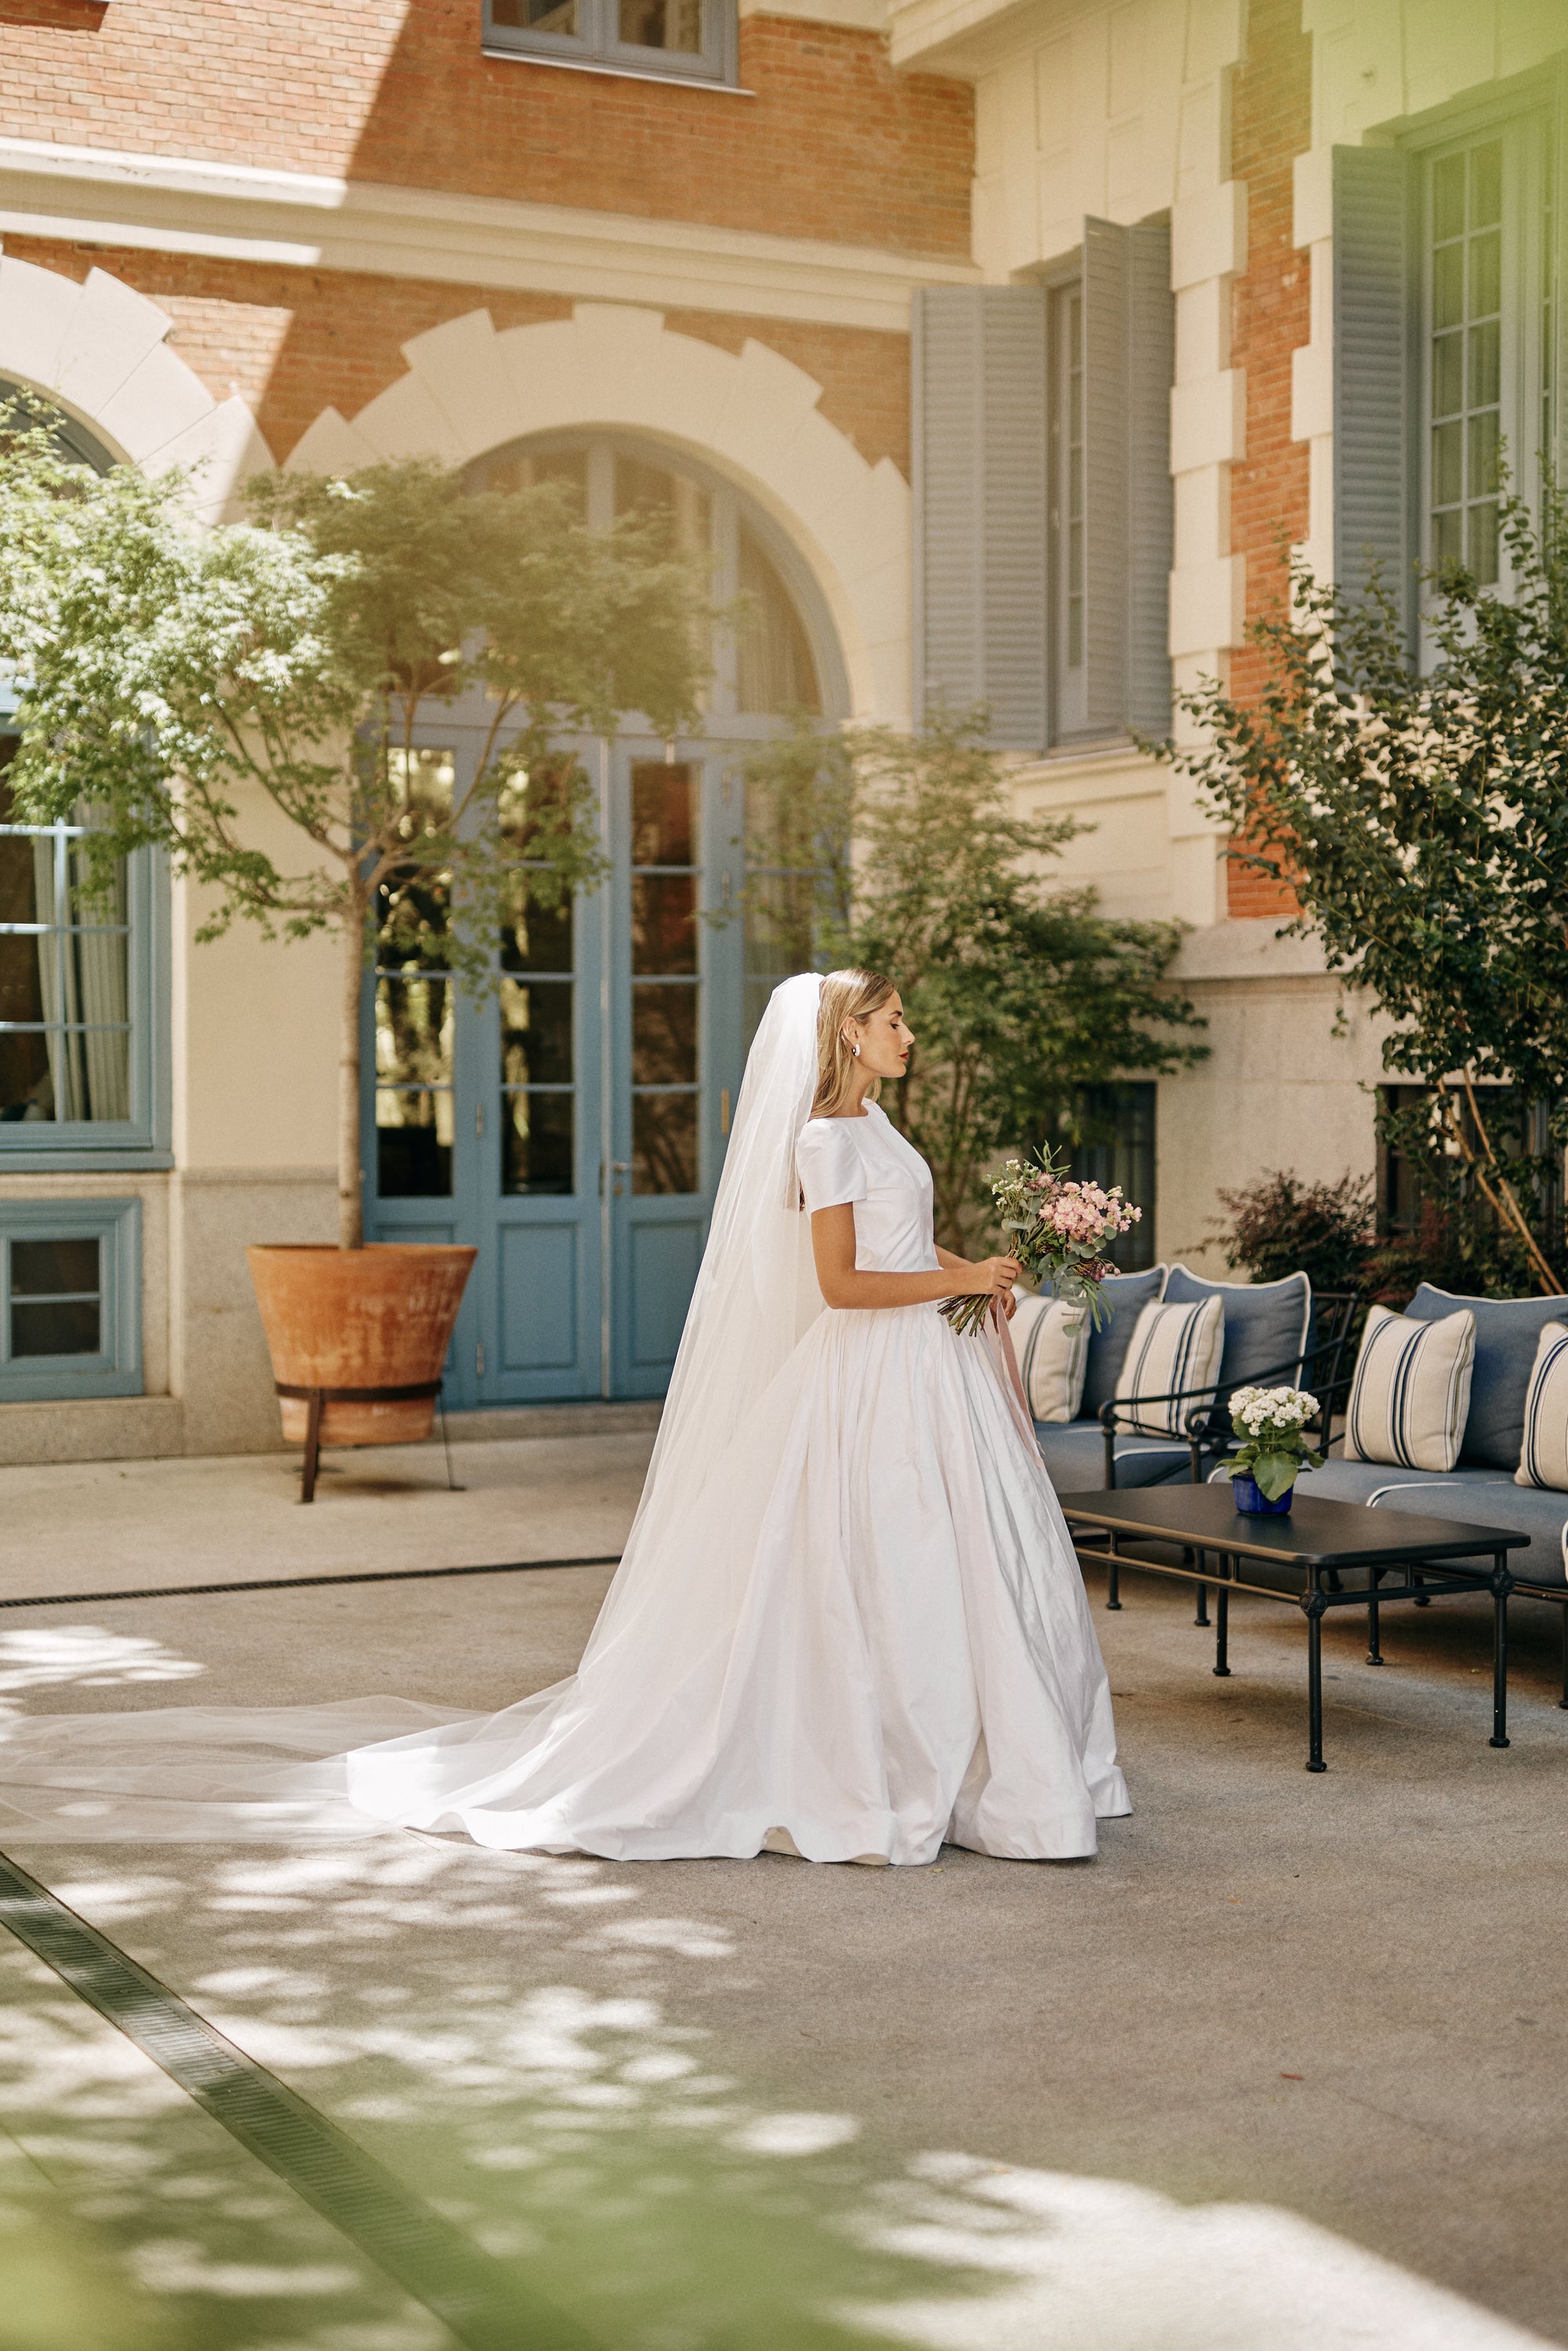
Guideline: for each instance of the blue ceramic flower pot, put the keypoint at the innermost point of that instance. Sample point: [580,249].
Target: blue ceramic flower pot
[1251,1499]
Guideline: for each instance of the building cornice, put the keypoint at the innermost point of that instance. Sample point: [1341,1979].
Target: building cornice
[301,221]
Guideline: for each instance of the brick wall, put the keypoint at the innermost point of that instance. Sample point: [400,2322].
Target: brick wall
[832,145]
[1271,123]
[295,341]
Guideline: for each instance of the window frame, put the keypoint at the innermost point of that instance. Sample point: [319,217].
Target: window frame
[600,50]
[1527,119]
[116,1368]
[1117,1142]
[144,1139]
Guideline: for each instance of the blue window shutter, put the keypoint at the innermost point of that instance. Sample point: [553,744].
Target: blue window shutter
[1375,371]
[1106,487]
[1151,502]
[1129,357]
[980,465]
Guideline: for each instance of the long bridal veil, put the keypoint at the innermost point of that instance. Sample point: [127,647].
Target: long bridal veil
[575,1760]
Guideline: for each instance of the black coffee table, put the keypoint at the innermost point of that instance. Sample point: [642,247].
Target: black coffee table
[1320,1556]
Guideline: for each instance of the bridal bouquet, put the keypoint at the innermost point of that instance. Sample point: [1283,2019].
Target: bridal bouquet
[1059,1230]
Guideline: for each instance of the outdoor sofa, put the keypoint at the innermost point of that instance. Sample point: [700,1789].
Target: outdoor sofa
[1274,1332]
[1481,1487]
[1278,1333]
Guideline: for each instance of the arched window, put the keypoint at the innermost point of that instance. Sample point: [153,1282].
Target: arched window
[780,658]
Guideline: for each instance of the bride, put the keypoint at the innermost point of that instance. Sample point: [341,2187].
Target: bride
[848,1622]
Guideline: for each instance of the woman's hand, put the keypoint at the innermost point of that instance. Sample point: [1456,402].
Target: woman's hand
[993,1278]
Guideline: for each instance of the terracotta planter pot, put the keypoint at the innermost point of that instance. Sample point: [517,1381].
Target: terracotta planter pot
[380,1317]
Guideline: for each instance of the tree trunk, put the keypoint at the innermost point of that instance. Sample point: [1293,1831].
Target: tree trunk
[350,1174]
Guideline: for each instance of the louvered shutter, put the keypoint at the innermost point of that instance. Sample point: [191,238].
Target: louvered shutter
[1375,370]
[980,465]
[1151,500]
[1129,345]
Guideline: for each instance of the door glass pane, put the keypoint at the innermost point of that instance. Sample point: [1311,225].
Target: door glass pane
[55,1303]
[538,1048]
[414,1086]
[663,923]
[663,817]
[663,1036]
[536,938]
[537,1153]
[665,1013]
[536,1033]
[665,1142]
[415,1003]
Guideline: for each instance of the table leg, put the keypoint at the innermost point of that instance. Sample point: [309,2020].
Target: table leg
[1374,1649]
[1501,1585]
[1201,1616]
[1222,1632]
[1314,1605]
[1423,1599]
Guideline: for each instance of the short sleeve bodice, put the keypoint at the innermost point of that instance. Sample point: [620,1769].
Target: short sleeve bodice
[866,1163]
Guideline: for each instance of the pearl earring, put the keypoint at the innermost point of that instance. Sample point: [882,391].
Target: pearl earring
[855,1051]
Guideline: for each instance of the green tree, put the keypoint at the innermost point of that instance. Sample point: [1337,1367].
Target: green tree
[900,852]
[1420,816]
[188,684]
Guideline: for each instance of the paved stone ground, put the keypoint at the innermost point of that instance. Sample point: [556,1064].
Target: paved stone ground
[1282,2068]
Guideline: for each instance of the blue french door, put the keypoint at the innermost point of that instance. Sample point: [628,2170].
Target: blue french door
[571,1122]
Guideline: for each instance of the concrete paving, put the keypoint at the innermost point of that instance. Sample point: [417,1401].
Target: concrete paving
[127,1525]
[1283,2067]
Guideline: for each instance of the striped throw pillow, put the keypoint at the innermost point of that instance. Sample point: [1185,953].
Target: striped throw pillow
[1411,1391]
[1172,1356]
[1052,1341]
[1543,1455]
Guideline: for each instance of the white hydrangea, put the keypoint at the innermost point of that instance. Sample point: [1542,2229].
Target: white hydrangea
[1255,1409]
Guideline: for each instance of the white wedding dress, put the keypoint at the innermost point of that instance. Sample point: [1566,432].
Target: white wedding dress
[848,1622]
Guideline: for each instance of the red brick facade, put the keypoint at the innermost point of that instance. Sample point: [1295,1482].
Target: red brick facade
[295,341]
[831,144]
[1271,123]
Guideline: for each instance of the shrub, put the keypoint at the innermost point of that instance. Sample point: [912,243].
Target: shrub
[1281,1225]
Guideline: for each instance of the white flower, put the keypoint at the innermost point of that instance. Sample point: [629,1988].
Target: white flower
[1281,1409]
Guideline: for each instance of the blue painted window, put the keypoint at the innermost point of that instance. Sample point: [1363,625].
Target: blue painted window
[82,1025]
[682,41]
[71,1299]
[83,980]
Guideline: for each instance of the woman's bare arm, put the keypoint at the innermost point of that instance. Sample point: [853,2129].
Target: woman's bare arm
[842,1284]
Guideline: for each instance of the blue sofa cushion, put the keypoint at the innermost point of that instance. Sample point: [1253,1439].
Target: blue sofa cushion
[1123,1296]
[1506,1331]
[1265,1322]
[1073,1452]
[1479,1496]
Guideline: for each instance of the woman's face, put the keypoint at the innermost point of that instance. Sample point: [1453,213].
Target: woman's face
[884,1040]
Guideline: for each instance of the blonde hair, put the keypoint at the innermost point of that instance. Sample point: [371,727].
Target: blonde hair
[846,995]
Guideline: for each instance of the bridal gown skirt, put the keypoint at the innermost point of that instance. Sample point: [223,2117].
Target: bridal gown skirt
[880,1640]
[866,1633]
